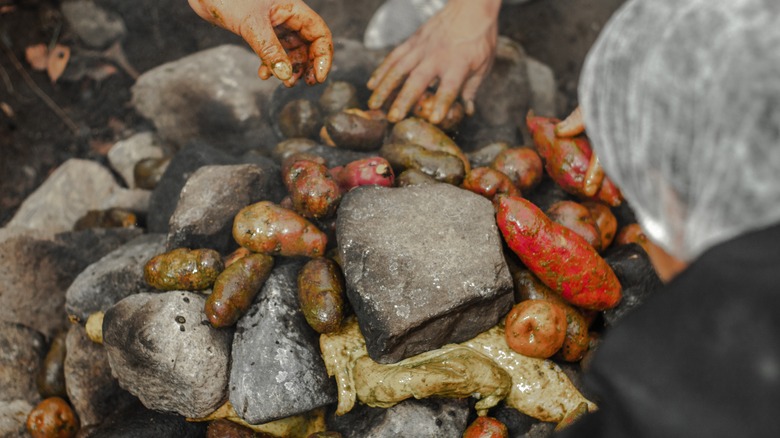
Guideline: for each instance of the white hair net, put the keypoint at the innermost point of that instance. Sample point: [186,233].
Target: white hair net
[681,100]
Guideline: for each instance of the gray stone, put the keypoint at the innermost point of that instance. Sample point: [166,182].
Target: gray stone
[277,370]
[441,418]
[137,421]
[162,349]
[35,273]
[209,202]
[115,276]
[76,187]
[13,416]
[214,95]
[637,276]
[124,154]
[544,92]
[21,353]
[93,392]
[95,26]
[520,425]
[423,266]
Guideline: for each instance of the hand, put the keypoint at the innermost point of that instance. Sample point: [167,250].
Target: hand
[290,38]
[454,49]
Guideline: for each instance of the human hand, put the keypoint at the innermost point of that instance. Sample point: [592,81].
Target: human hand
[289,37]
[454,49]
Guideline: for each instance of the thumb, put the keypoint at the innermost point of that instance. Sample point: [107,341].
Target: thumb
[261,37]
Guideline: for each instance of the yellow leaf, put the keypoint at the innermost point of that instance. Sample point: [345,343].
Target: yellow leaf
[58,60]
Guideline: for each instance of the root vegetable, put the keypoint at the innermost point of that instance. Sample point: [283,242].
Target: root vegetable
[414,177]
[418,131]
[424,110]
[313,191]
[367,171]
[605,221]
[300,118]
[486,427]
[183,269]
[536,328]
[321,294]
[577,218]
[357,130]
[267,228]
[442,166]
[559,257]
[489,183]
[522,165]
[52,418]
[236,288]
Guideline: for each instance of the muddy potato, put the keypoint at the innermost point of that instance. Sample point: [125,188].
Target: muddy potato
[575,345]
[605,221]
[235,256]
[414,177]
[313,191]
[356,129]
[267,228]
[489,183]
[184,269]
[577,218]
[522,165]
[291,146]
[485,155]
[51,374]
[424,109]
[337,96]
[236,288]
[417,131]
[300,118]
[52,418]
[321,294]
[147,172]
[536,328]
[632,233]
[486,427]
[441,166]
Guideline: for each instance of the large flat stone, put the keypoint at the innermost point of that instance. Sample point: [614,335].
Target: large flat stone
[21,354]
[277,370]
[423,265]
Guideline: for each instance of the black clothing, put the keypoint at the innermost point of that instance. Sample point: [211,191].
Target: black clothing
[700,358]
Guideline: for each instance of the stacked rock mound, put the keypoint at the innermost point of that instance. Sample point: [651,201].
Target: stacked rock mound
[357,279]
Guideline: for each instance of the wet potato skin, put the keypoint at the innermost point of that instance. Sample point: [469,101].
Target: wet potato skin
[236,288]
[419,132]
[357,130]
[184,269]
[52,418]
[267,228]
[577,218]
[441,166]
[314,193]
[536,328]
[489,183]
[300,118]
[321,294]
[522,165]
[486,427]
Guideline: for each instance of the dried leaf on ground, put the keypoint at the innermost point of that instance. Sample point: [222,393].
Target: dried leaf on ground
[37,56]
[58,60]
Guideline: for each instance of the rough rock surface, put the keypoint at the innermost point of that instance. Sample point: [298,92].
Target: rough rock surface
[76,187]
[209,202]
[95,26]
[443,418]
[35,273]
[212,95]
[163,350]
[637,277]
[124,154]
[520,425]
[277,370]
[423,265]
[13,415]
[93,392]
[115,276]
[21,352]
[137,421]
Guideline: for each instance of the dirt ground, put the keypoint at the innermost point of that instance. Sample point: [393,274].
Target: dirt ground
[43,124]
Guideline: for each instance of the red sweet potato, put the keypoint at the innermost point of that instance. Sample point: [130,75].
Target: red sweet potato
[486,427]
[605,220]
[489,183]
[559,257]
[267,228]
[522,165]
[567,159]
[366,171]
[577,218]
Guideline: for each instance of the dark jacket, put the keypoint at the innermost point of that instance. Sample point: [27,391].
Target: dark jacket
[701,358]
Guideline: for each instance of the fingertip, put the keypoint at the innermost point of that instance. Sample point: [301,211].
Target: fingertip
[282,70]
[264,72]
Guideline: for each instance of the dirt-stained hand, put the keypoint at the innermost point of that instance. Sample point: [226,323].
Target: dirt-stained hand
[454,50]
[291,39]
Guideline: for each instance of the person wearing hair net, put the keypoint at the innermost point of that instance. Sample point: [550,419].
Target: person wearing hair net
[681,101]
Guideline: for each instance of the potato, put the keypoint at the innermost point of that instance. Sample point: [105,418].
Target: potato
[235,256]
[52,418]
[183,269]
[485,155]
[366,171]
[632,233]
[147,172]
[414,177]
[424,109]
[441,166]
[577,218]
[291,146]
[356,129]
[236,288]
[337,96]
[489,183]
[321,294]
[51,374]
[486,427]
[605,221]
[109,218]
[522,165]
[536,328]
[420,132]
[300,118]
[314,193]
[267,228]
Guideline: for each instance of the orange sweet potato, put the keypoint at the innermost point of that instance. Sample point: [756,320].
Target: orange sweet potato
[605,220]
[536,328]
[522,165]
[486,427]
[267,228]
[559,257]
[577,218]
[489,183]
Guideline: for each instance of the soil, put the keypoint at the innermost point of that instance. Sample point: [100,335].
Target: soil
[42,124]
